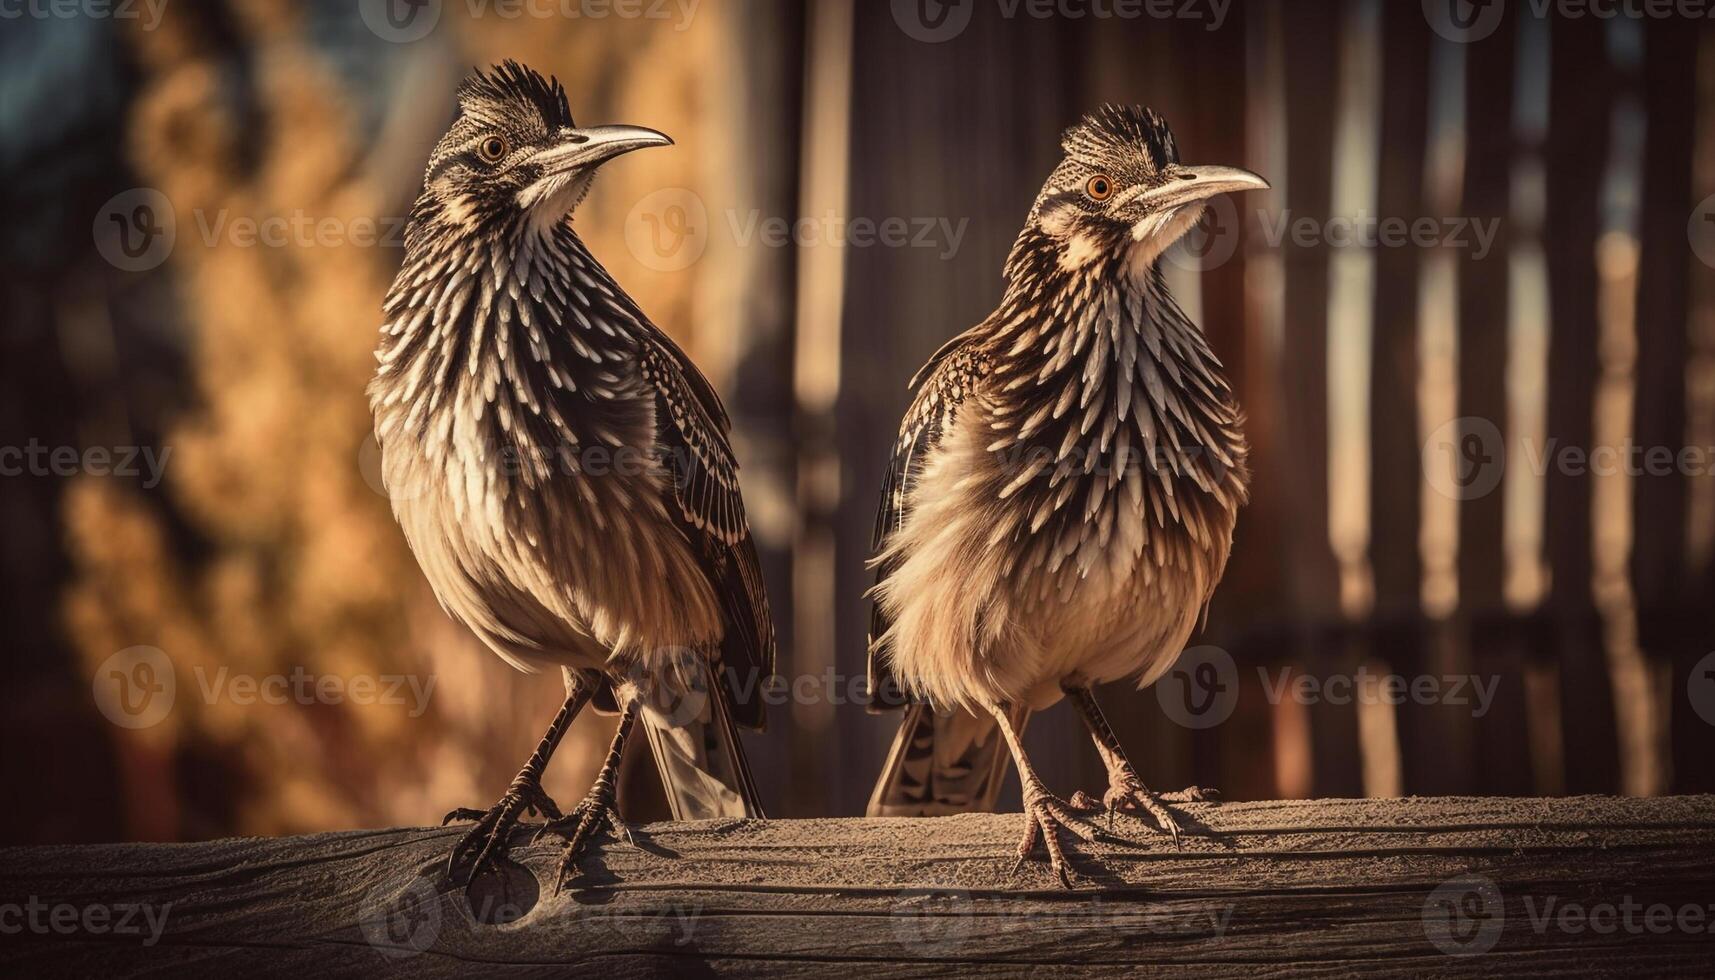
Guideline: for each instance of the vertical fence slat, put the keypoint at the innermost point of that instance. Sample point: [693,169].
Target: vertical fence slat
[1396,471]
[1312,33]
[1580,105]
[1483,642]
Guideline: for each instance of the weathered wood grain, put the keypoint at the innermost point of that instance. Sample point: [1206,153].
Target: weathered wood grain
[1258,889]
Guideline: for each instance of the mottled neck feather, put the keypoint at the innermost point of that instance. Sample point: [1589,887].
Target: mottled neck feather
[514,328]
[1102,384]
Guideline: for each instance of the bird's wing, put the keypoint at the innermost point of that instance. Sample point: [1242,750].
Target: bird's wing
[692,428]
[943,383]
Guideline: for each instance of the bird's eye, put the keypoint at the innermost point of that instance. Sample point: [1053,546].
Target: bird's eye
[1099,187]
[492,149]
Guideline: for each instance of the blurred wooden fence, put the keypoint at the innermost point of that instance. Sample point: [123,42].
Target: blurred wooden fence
[1586,322]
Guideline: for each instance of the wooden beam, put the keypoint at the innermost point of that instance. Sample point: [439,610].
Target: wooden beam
[1390,887]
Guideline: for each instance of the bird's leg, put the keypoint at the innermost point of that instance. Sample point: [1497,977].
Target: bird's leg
[1045,815]
[494,825]
[600,809]
[1126,792]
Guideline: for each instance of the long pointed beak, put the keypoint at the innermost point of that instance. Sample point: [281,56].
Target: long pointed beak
[593,145]
[1187,185]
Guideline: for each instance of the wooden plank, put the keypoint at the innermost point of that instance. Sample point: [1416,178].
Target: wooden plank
[1258,889]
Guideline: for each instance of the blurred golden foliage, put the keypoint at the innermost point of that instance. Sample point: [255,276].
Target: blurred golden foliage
[300,566]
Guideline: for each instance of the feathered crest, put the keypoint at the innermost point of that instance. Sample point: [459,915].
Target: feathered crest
[510,83]
[1112,127]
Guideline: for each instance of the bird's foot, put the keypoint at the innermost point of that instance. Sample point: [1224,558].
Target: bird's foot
[488,839]
[1045,815]
[597,812]
[1130,797]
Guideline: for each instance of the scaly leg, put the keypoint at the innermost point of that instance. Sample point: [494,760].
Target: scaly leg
[599,809]
[1126,792]
[1045,815]
[524,795]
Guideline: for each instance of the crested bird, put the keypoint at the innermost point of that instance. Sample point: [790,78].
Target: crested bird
[1060,501]
[562,471]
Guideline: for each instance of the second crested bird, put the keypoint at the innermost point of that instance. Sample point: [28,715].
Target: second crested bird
[1062,494]
[562,470]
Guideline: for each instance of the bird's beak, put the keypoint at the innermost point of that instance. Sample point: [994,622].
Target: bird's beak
[566,168]
[1189,185]
[582,148]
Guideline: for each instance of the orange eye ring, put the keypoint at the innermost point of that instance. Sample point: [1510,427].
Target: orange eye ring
[1099,188]
[492,149]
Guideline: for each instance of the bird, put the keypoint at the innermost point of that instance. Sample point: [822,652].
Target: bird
[562,471]
[1060,500]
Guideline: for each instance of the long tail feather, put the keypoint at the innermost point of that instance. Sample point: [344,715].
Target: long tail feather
[943,763]
[703,768]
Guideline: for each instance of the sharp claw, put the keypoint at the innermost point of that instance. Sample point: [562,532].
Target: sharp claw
[488,837]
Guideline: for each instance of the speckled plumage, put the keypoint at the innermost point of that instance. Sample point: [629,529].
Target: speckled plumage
[1062,495]
[559,467]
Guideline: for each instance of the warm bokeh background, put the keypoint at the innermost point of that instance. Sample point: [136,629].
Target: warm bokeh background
[266,547]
